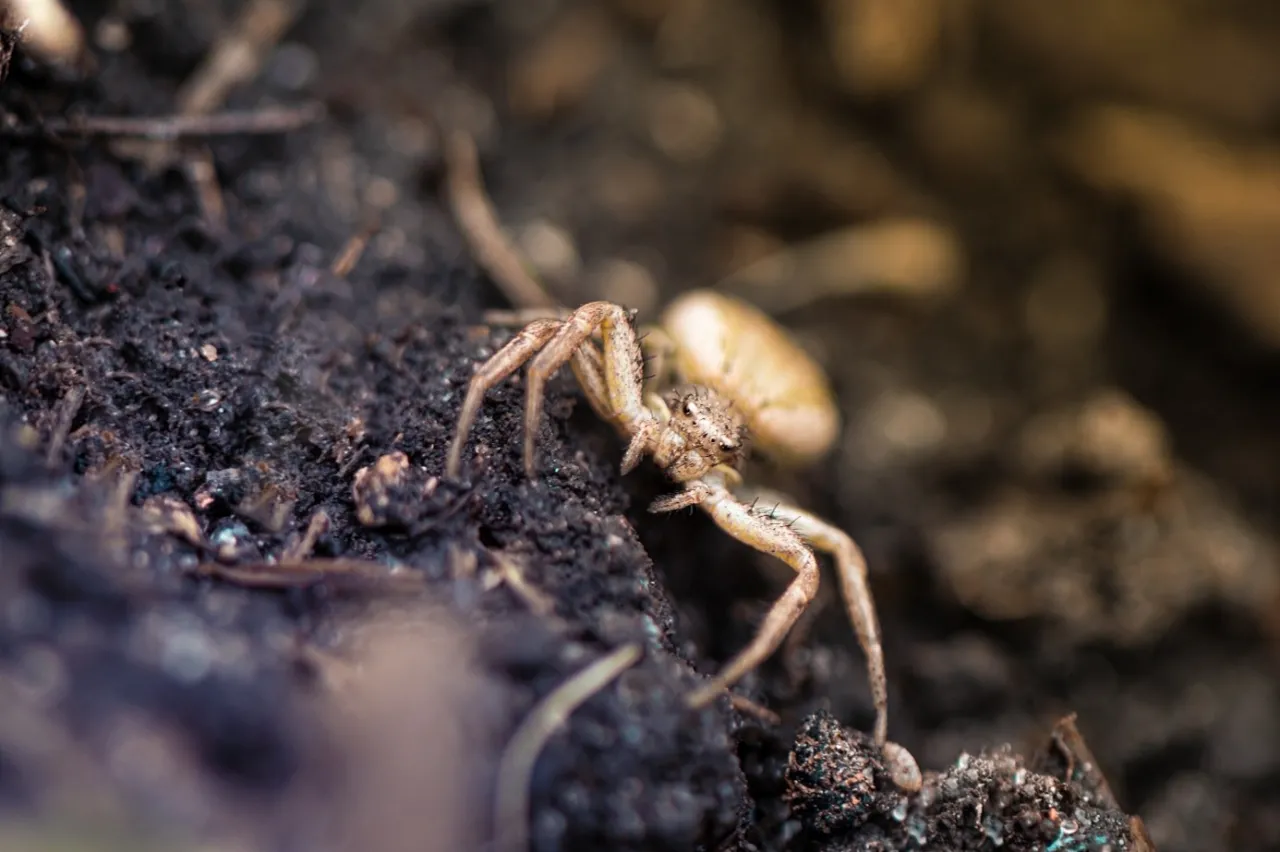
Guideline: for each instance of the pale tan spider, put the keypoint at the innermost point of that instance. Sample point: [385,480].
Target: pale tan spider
[730,375]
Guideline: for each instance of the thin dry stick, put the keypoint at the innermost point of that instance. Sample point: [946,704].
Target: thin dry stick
[203,174]
[749,708]
[66,415]
[512,574]
[238,55]
[352,573]
[115,515]
[354,249]
[167,127]
[515,770]
[317,526]
[1066,737]
[480,226]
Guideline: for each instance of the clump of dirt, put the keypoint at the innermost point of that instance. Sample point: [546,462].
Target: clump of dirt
[838,789]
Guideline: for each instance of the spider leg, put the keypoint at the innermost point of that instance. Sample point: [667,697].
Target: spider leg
[767,535]
[783,531]
[691,495]
[623,375]
[503,363]
[655,344]
[588,367]
[851,567]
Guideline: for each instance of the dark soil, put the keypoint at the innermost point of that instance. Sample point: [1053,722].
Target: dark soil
[202,431]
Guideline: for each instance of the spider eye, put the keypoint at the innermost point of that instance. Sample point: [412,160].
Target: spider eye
[688,408]
[728,446]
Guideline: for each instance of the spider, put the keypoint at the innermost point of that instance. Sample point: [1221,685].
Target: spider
[724,376]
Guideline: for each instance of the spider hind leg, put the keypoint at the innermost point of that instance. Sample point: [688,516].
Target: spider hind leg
[767,535]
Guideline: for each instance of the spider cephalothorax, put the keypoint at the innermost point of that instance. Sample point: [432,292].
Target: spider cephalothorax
[738,375]
[702,431]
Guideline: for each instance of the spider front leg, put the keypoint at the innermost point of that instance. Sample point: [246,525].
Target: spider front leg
[623,374]
[588,367]
[503,363]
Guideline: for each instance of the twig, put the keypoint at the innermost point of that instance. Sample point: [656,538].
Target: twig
[66,416]
[515,770]
[357,573]
[238,55]
[168,127]
[301,549]
[203,174]
[350,464]
[1075,752]
[512,574]
[749,708]
[905,258]
[480,226]
[115,513]
[354,249]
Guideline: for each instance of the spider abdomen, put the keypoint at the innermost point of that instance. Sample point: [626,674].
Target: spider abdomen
[738,351]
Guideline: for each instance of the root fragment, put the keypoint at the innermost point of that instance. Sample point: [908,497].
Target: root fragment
[516,767]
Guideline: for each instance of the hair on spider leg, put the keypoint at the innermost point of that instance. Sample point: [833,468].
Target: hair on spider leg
[789,523]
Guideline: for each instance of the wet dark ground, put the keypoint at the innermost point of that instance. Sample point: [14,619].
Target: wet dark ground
[181,404]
